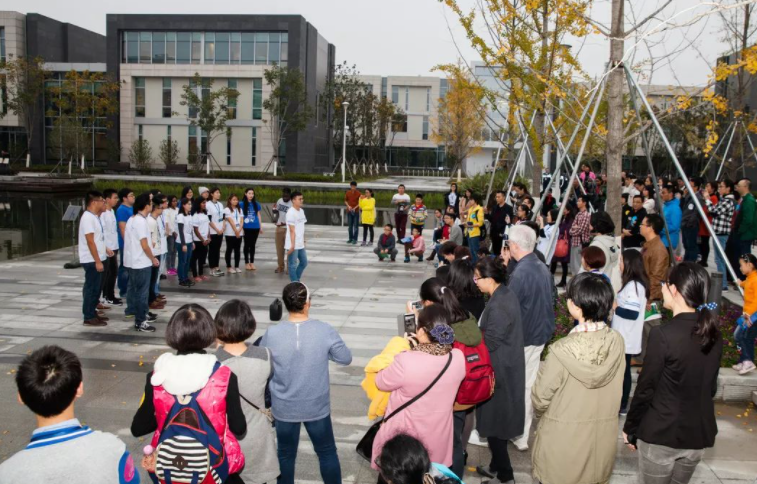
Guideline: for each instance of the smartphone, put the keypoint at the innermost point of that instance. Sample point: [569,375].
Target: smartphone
[417,305]
[406,324]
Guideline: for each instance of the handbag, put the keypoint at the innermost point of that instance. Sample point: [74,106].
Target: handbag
[276,310]
[365,447]
[562,248]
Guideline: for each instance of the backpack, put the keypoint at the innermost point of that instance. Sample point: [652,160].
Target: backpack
[478,384]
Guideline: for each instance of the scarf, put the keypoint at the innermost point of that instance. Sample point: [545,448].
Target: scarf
[435,349]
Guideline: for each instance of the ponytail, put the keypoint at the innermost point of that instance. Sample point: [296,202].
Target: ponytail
[435,291]
[693,283]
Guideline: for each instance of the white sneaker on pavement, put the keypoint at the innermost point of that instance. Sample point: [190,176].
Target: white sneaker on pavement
[738,366]
[747,367]
[475,439]
[520,443]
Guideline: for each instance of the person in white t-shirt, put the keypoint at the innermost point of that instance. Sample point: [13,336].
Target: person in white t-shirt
[170,214]
[201,238]
[214,208]
[233,230]
[402,201]
[139,261]
[92,253]
[184,243]
[110,226]
[297,258]
[156,223]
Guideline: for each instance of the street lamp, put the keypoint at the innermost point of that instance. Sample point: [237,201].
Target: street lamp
[345,104]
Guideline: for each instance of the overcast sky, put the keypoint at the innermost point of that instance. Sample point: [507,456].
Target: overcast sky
[410,37]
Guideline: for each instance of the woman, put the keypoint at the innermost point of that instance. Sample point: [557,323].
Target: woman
[474,221]
[200,237]
[545,231]
[460,282]
[251,226]
[172,232]
[577,392]
[603,231]
[711,191]
[367,215]
[186,233]
[187,192]
[215,213]
[564,233]
[522,214]
[649,202]
[672,417]
[503,334]
[429,419]
[452,200]
[233,231]
[404,460]
[466,202]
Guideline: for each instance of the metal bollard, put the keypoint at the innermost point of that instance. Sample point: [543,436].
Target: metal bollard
[716,289]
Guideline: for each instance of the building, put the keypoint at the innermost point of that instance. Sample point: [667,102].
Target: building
[156,55]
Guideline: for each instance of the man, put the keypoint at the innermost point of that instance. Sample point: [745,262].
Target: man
[690,220]
[280,212]
[451,231]
[746,220]
[139,260]
[386,246]
[123,214]
[580,233]
[656,263]
[92,253]
[625,209]
[722,215]
[532,283]
[402,201]
[672,211]
[297,258]
[158,249]
[638,185]
[499,217]
[352,201]
[110,227]
[546,178]
[629,188]
[632,238]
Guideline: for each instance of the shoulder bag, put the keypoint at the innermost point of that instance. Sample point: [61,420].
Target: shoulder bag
[365,447]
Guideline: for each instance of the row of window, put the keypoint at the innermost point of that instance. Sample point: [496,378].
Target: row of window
[2,44]
[198,142]
[245,48]
[406,92]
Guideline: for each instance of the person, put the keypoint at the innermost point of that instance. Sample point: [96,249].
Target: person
[405,460]
[466,202]
[631,233]
[187,192]
[204,193]
[672,416]
[650,204]
[49,381]
[531,284]
[580,233]
[352,200]
[214,209]
[711,193]
[629,187]
[500,218]
[386,246]
[603,231]
[280,212]
[577,392]
[415,247]
[451,232]
[545,231]
[656,263]
[438,232]
[156,227]
[367,215]
[733,245]
[523,213]
[123,214]
[452,200]
[671,210]
[110,228]
[251,226]
[418,214]
[301,348]
[564,233]
[546,179]
[297,259]
[253,367]
[628,319]
[722,215]
[170,214]
[402,201]
[139,260]
[503,334]
[746,330]
[593,260]
[447,255]
[192,372]
[461,282]
[92,253]
[474,222]
[200,237]
[690,220]
[747,219]
[186,232]
[233,231]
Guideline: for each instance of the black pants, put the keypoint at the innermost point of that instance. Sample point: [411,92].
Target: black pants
[733,251]
[366,228]
[232,245]
[154,275]
[250,239]
[496,242]
[214,250]
[108,285]
[197,263]
[500,463]
[459,441]
[626,384]
[564,265]
[704,248]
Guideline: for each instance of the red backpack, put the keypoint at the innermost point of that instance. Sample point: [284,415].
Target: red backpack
[478,384]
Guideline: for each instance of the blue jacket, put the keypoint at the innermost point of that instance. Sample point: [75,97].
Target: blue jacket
[532,283]
[673,215]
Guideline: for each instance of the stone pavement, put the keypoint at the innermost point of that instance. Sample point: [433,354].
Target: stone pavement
[40,303]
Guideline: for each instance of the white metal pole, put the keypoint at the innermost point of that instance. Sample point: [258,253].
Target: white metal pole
[725,155]
[345,104]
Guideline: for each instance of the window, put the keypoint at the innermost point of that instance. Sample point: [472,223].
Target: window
[254,146]
[222,48]
[274,48]
[167,97]
[205,92]
[443,88]
[235,48]
[145,48]
[3,96]
[210,47]
[257,98]
[171,48]
[407,98]
[396,94]
[261,48]
[399,125]
[196,47]
[232,108]
[140,129]
[428,99]
[139,97]
[183,47]
[158,47]
[383,88]
[192,110]
[317,107]
[248,48]
[193,149]
[284,49]
[132,47]
[425,127]
[228,147]
[168,134]
[2,44]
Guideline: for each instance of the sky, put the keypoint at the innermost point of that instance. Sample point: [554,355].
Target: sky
[410,37]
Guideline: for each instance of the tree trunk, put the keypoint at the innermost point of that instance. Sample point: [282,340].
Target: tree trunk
[614,149]
[539,125]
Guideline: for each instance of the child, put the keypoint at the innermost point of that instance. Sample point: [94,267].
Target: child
[61,449]
[418,214]
[233,231]
[415,246]
[386,246]
[192,374]
[746,329]
[438,232]
[367,215]
[252,366]
[185,246]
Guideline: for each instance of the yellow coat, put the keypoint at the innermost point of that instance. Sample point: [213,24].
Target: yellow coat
[475,215]
[380,399]
[367,211]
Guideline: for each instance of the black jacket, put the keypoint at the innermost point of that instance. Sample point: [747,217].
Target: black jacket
[672,405]
[633,223]
[498,218]
[455,205]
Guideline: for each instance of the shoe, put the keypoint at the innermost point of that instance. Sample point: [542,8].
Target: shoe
[198,279]
[152,317]
[171,272]
[623,412]
[561,285]
[725,289]
[354,242]
[407,260]
[102,307]
[420,258]
[362,244]
[183,283]
[128,316]
[217,273]
[157,305]
[94,322]
[100,314]
[204,278]
[115,302]
[349,241]
[485,471]
[475,439]
[144,327]
[520,444]
[393,260]
[163,277]
[747,368]
[738,366]
[103,318]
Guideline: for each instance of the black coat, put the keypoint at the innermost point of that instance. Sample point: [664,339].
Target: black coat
[455,205]
[672,405]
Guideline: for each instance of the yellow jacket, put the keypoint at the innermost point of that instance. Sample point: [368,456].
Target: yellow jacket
[750,293]
[475,215]
[367,211]
[380,399]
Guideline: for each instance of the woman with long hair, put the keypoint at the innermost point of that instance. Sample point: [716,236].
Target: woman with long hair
[184,241]
[460,282]
[466,202]
[172,232]
[647,194]
[252,227]
[523,213]
[672,416]
[563,233]
[452,199]
[200,237]
[187,192]
[233,232]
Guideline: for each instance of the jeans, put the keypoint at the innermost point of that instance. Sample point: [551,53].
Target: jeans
[400,221]
[500,464]
[473,244]
[250,241]
[664,465]
[214,250]
[627,382]
[297,268]
[91,290]
[719,261]
[532,356]
[232,247]
[352,223]
[745,341]
[184,258]
[321,435]
[123,275]
[171,254]
[108,284]
[689,236]
[136,298]
[154,279]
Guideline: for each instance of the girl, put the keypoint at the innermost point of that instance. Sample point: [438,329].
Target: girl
[415,247]
[546,230]
[629,312]
[367,214]
[523,213]
[452,199]
[201,238]
[593,260]
[649,203]
[252,227]
[405,460]
[233,231]
[186,232]
[215,214]
[466,202]
[438,230]
[252,366]
[187,192]
[171,233]
[746,330]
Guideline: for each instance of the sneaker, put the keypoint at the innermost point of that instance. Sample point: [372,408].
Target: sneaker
[204,278]
[128,316]
[171,272]
[349,241]
[362,244]
[407,260]
[198,279]
[94,322]
[151,317]
[115,302]
[521,444]
[475,439]
[143,327]
[623,412]
[738,366]
[354,242]
[747,367]
[163,277]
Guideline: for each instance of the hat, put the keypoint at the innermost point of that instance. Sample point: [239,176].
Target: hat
[203,190]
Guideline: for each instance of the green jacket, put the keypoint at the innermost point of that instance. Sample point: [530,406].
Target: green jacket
[467,332]
[747,218]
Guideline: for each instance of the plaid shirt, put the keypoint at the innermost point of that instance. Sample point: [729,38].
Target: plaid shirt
[580,230]
[722,214]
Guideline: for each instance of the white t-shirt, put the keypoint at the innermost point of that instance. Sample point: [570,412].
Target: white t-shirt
[233,219]
[186,221]
[91,224]
[108,218]
[152,224]
[170,215]
[282,208]
[134,255]
[201,221]
[215,210]
[404,202]
[631,299]
[298,220]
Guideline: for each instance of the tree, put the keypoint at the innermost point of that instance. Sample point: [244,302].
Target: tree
[140,154]
[207,110]
[68,138]
[169,152]
[287,105]
[344,85]
[23,81]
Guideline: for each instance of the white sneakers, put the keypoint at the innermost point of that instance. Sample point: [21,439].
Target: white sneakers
[747,367]
[475,439]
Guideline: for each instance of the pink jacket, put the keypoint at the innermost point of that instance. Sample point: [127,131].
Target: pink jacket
[430,418]
[419,245]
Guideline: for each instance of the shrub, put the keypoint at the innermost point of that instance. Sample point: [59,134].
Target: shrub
[169,152]
[140,154]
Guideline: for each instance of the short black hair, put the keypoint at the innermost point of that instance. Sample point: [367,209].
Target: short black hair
[286,190]
[492,268]
[696,181]
[419,195]
[141,202]
[447,248]
[295,296]
[124,193]
[48,379]
[655,222]
[593,294]
[214,189]
[403,459]
[108,192]
[157,201]
[602,223]
[235,322]
[639,197]
[728,183]
[295,194]
[638,181]
[624,196]
[353,183]
[584,198]
[191,328]
[91,197]
[391,227]
[401,185]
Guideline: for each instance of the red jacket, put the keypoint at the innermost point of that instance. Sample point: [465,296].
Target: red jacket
[703,232]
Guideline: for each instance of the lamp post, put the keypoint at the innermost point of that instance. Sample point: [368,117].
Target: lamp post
[345,104]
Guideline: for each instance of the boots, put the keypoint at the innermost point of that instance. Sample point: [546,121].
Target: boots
[432,256]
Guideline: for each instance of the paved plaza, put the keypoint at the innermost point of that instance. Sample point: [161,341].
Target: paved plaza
[40,303]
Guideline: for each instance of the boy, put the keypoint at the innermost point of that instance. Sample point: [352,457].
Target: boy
[401,200]
[280,215]
[61,449]
[418,214]
[416,246]
[386,246]
[155,223]
[110,227]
